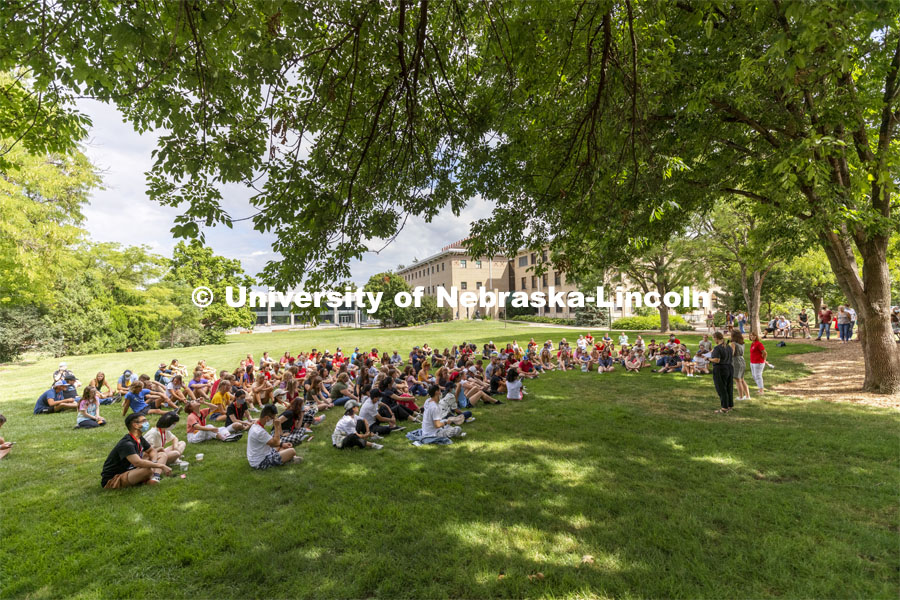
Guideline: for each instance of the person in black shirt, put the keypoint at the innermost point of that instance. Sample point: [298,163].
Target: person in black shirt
[293,428]
[236,413]
[723,374]
[133,461]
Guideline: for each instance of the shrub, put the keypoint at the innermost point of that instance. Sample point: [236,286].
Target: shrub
[538,319]
[650,323]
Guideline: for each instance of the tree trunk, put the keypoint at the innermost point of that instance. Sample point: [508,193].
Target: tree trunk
[754,305]
[663,318]
[870,295]
[816,302]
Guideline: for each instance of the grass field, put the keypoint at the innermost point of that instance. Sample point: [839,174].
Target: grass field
[780,498]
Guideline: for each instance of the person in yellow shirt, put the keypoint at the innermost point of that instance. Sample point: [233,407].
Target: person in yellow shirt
[221,400]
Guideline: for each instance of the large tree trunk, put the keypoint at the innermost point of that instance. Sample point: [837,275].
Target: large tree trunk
[753,305]
[663,318]
[870,295]
[816,302]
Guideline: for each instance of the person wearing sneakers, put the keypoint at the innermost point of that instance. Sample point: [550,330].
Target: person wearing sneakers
[133,461]
[352,431]
[265,450]
[757,362]
[449,404]
[164,441]
[198,431]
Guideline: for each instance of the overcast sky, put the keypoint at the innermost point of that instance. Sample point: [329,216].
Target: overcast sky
[122,212]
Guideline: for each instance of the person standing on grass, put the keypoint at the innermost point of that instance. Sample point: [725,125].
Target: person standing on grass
[825,317]
[723,375]
[739,365]
[89,410]
[52,401]
[5,446]
[133,461]
[757,361]
[265,450]
[163,440]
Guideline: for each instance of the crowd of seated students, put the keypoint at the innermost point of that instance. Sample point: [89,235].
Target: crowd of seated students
[377,393]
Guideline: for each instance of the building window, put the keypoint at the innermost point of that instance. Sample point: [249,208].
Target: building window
[523,261]
[532,258]
[559,309]
[477,264]
[478,285]
[544,256]
[523,284]
[556,278]
[463,285]
[462,264]
[442,266]
[544,280]
[533,282]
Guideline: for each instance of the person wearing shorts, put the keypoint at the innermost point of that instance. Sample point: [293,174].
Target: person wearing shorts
[133,461]
[265,450]
[198,431]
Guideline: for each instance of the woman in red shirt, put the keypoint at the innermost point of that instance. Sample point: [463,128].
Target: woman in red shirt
[757,361]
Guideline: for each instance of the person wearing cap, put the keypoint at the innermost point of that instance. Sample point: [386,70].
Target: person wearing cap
[61,372]
[352,431]
[126,380]
[163,374]
[52,401]
[265,450]
[71,390]
[137,400]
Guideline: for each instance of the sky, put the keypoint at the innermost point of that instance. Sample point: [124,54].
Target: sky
[122,212]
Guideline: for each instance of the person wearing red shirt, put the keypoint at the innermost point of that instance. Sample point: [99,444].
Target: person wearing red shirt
[825,317]
[526,367]
[757,361]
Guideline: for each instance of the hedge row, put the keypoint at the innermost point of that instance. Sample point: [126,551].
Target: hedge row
[650,323]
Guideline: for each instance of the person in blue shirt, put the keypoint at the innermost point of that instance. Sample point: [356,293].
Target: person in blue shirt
[163,374]
[126,380]
[135,399]
[52,400]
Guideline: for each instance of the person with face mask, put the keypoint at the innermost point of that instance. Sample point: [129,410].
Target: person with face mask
[133,461]
[265,450]
[163,440]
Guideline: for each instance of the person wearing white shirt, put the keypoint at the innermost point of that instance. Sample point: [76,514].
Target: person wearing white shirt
[623,339]
[433,426]
[352,431]
[163,440]
[265,450]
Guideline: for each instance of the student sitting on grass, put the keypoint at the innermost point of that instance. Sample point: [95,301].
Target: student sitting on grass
[450,407]
[701,364]
[293,430]
[52,400]
[220,401]
[237,412]
[547,360]
[199,431]
[5,446]
[265,450]
[413,385]
[436,430]
[199,385]
[633,362]
[133,461]
[139,400]
[262,392]
[378,417]
[605,363]
[98,383]
[177,392]
[352,431]
[89,410]
[687,363]
[340,390]
[515,390]
[125,381]
[163,440]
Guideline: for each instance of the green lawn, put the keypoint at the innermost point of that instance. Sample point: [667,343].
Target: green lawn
[783,497]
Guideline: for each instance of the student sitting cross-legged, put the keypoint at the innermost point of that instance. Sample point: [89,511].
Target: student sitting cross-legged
[163,440]
[198,430]
[352,431]
[133,461]
[265,450]
[436,430]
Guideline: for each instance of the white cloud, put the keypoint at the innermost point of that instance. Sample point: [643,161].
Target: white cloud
[122,212]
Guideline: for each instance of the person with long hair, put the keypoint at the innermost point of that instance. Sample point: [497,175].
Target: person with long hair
[98,383]
[723,374]
[739,365]
[89,410]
